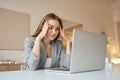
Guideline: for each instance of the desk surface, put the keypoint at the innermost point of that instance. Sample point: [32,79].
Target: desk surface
[107,74]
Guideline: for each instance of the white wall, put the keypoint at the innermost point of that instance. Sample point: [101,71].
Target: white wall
[95,15]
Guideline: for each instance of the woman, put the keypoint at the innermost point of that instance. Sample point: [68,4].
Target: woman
[43,49]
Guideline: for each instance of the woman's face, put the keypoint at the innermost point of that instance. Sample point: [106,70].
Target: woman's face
[53,30]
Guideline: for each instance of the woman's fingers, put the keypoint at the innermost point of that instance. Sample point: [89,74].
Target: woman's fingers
[44,30]
[62,35]
[61,31]
[45,27]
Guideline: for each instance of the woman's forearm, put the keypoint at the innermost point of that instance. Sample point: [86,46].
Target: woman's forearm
[36,47]
[68,45]
[68,48]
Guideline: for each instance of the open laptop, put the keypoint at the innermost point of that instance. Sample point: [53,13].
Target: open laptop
[88,52]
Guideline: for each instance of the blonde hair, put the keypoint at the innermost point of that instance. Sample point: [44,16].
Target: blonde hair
[45,18]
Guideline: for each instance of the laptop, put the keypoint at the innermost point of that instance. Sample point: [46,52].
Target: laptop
[88,52]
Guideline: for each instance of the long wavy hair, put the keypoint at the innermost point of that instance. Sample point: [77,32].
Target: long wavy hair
[44,19]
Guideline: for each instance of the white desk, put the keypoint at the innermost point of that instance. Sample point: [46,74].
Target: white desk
[106,74]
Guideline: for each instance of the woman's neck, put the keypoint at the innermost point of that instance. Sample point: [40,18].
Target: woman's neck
[46,41]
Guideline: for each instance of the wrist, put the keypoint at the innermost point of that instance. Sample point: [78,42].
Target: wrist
[38,39]
[67,39]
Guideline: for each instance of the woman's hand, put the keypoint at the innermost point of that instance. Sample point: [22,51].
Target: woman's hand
[67,40]
[44,31]
[63,36]
[42,34]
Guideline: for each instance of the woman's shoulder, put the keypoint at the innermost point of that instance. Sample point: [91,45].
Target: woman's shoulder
[29,39]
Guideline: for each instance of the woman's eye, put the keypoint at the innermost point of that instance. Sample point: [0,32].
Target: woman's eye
[57,28]
[50,27]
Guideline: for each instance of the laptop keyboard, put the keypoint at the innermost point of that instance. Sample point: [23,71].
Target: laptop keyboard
[61,69]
